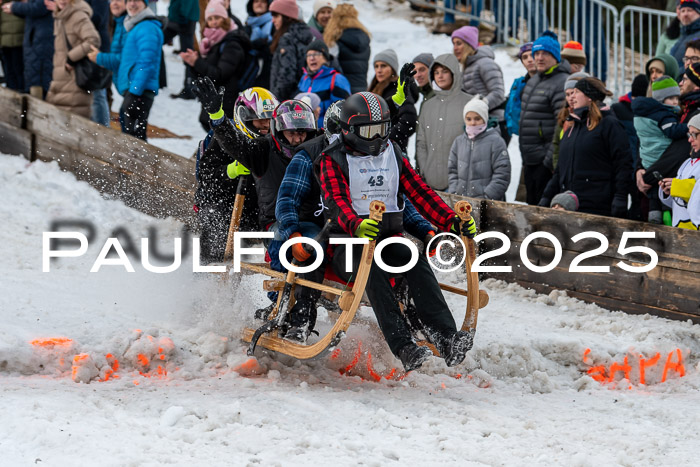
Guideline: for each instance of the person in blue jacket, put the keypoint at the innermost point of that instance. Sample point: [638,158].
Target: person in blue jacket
[514,103]
[139,67]
[321,79]
[112,58]
[38,41]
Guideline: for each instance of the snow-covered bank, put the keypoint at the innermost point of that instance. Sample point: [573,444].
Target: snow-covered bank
[522,396]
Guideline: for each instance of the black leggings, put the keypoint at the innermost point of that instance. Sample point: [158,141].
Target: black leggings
[431,308]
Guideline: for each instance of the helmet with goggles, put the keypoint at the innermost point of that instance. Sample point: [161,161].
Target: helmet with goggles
[253,104]
[292,115]
[365,121]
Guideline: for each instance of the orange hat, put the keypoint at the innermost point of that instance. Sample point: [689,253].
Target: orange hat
[573,52]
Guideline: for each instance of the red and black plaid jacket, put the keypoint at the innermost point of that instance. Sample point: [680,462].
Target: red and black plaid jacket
[427,202]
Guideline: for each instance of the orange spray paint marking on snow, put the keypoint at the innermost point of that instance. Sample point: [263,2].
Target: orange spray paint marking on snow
[136,383]
[335,354]
[358,354]
[77,359]
[162,357]
[598,373]
[375,376]
[52,342]
[643,364]
[585,355]
[615,367]
[675,366]
[143,360]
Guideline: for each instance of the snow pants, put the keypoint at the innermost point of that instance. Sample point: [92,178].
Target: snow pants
[431,308]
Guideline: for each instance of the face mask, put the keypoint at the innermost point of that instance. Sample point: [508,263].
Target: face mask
[474,131]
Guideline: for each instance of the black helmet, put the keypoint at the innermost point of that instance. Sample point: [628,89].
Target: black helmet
[331,120]
[292,115]
[365,122]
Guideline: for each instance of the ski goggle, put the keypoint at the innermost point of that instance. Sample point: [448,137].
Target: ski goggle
[375,130]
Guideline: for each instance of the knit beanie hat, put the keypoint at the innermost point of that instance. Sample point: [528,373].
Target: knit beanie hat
[288,8]
[593,88]
[694,4]
[547,42]
[527,47]
[215,8]
[319,46]
[387,56]
[310,98]
[318,4]
[640,85]
[693,73]
[426,59]
[573,52]
[468,34]
[695,122]
[664,87]
[570,82]
[568,200]
[478,105]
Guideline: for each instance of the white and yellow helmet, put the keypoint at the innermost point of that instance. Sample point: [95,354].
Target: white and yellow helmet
[253,104]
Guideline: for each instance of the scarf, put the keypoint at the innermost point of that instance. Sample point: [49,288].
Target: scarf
[475,130]
[131,21]
[211,38]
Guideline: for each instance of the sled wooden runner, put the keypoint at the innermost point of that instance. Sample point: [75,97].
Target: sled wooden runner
[349,302]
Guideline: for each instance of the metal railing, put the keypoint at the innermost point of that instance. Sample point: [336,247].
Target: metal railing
[643,23]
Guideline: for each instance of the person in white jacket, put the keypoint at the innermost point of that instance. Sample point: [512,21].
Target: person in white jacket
[682,193]
[479,165]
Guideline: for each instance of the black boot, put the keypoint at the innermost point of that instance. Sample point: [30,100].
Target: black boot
[454,348]
[302,319]
[412,356]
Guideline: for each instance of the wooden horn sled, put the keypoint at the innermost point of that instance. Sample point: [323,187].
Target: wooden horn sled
[266,336]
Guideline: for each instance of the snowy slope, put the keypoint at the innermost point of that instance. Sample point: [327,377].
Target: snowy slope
[522,397]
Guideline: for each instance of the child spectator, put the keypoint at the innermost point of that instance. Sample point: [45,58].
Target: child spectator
[322,80]
[656,122]
[566,201]
[682,193]
[479,165]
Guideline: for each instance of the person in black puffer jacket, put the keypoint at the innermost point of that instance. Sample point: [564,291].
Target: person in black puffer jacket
[224,55]
[542,99]
[288,48]
[348,40]
[595,160]
[384,84]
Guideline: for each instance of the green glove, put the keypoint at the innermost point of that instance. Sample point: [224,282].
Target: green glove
[469,228]
[236,169]
[405,75]
[367,229]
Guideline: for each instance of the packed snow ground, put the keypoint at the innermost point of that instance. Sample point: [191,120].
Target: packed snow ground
[522,397]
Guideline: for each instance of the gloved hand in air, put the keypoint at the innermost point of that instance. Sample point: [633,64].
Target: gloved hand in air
[405,76]
[210,98]
[236,169]
[298,250]
[368,228]
[469,229]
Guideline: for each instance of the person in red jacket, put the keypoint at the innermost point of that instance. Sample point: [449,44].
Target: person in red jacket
[362,166]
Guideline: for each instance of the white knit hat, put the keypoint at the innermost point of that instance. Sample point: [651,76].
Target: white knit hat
[318,4]
[695,122]
[478,105]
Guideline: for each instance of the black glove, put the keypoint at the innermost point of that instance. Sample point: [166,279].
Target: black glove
[408,70]
[207,94]
[619,207]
